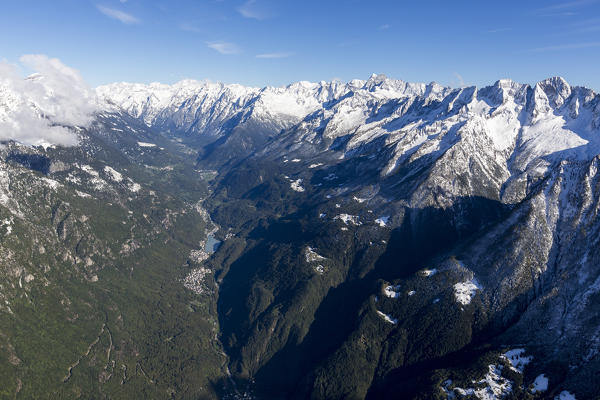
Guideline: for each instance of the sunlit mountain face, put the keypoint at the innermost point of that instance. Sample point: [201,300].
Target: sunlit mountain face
[369,239]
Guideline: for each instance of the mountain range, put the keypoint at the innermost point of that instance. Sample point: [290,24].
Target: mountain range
[376,239]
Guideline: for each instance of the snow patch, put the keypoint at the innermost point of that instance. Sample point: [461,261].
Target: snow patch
[83,194]
[296,185]
[145,144]
[7,224]
[382,221]
[348,219]
[135,187]
[464,291]
[51,183]
[392,292]
[90,170]
[387,318]
[114,175]
[540,384]
[312,256]
[429,272]
[517,359]
[496,386]
[564,395]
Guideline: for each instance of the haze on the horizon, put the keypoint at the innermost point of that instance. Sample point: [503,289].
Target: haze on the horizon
[269,42]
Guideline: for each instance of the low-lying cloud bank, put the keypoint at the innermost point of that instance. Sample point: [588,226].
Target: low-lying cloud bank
[41,108]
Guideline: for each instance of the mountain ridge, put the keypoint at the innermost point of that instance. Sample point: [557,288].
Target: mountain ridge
[527,123]
[368,229]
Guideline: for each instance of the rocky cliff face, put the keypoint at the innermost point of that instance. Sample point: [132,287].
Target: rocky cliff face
[485,187]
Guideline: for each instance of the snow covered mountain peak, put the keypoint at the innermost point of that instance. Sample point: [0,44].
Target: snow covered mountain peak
[39,108]
[533,121]
[514,125]
[550,93]
[291,103]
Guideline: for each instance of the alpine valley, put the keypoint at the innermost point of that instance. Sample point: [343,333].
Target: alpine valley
[370,239]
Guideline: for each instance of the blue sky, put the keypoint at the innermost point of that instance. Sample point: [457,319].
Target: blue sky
[269,42]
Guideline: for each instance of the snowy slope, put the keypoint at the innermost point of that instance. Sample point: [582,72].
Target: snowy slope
[212,108]
[508,127]
[43,108]
[203,107]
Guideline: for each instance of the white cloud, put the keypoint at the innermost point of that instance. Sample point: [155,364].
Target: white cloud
[564,9]
[461,81]
[498,30]
[586,25]
[40,109]
[568,46]
[118,15]
[224,47]
[384,27]
[589,29]
[250,9]
[189,27]
[567,5]
[274,55]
